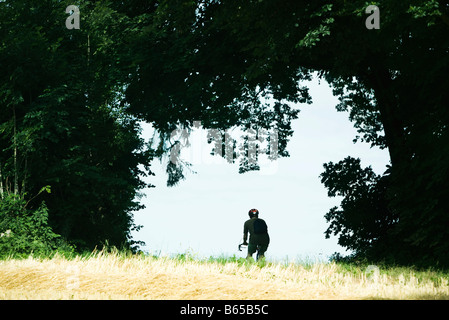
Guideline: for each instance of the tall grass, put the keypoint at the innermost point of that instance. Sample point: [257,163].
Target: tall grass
[117,275]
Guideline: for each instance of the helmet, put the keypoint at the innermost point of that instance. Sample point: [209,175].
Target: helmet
[253,212]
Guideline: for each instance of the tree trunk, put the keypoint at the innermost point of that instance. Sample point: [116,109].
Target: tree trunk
[387,103]
[88,50]
[23,190]
[1,182]
[16,177]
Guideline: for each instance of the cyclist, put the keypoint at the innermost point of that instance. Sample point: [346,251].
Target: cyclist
[258,235]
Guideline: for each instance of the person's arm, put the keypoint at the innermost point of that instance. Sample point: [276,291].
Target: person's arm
[245,233]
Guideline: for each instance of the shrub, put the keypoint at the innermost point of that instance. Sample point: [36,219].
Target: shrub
[24,231]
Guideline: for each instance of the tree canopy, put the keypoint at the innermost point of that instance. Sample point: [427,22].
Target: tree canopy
[72,100]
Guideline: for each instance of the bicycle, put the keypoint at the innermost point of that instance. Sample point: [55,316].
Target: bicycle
[246,245]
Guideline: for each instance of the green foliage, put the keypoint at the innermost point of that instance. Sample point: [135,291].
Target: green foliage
[396,103]
[62,122]
[70,102]
[364,221]
[25,231]
[184,69]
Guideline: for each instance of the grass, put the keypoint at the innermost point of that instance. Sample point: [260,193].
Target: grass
[116,275]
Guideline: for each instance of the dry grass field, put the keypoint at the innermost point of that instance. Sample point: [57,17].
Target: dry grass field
[118,276]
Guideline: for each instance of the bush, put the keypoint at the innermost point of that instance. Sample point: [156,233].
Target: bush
[24,231]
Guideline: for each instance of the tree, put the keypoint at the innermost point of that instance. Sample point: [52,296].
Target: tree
[395,96]
[185,66]
[62,123]
[172,63]
[214,60]
[364,222]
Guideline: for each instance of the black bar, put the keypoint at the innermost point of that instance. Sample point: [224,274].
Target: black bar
[220,309]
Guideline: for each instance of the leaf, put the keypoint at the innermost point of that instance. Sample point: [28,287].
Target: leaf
[46,189]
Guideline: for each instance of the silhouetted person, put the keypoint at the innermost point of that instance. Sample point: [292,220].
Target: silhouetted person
[258,235]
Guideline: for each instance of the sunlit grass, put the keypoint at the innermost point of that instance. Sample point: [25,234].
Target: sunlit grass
[117,275]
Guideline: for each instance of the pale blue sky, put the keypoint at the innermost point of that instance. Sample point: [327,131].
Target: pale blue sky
[205,213]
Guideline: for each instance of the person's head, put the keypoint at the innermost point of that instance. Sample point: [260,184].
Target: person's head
[253,213]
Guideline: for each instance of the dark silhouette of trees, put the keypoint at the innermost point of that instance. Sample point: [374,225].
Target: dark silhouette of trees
[71,101]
